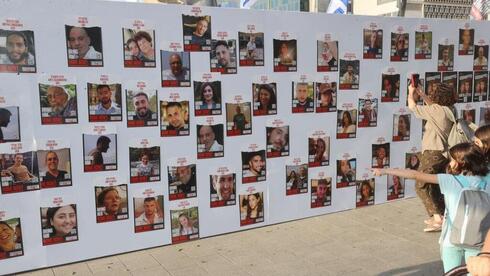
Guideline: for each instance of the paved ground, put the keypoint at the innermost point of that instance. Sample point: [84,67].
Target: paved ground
[385,239]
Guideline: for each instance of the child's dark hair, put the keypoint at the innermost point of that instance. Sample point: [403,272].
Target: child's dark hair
[483,133]
[470,159]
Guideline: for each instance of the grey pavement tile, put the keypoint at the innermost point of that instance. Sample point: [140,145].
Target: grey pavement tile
[41,272]
[76,269]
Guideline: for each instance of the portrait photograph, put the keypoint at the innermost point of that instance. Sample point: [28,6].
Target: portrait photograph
[285,55]
[251,49]
[303,97]
[184,224]
[445,57]
[54,168]
[11,244]
[9,124]
[222,190]
[59,224]
[223,56]
[423,45]
[111,203]
[238,119]
[401,127]
[210,141]
[466,41]
[19,172]
[176,69]
[252,208]
[321,192]
[148,213]
[395,187]
[412,160]
[104,102]
[99,152]
[390,88]
[144,164]
[380,155]
[349,74]
[372,44]
[480,59]
[296,179]
[346,172]
[432,79]
[277,140]
[197,33]
[58,104]
[399,47]
[265,99]
[318,151]
[327,53]
[182,181]
[465,87]
[365,192]
[253,166]
[346,123]
[174,120]
[17,51]
[207,98]
[484,116]
[468,115]
[368,112]
[84,46]
[139,48]
[480,86]
[326,97]
[450,78]
[141,108]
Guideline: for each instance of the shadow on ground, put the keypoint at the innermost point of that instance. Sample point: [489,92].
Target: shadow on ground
[432,268]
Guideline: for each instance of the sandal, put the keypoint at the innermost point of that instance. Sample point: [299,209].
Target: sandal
[433,228]
[429,221]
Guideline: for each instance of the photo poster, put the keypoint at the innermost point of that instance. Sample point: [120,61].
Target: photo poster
[208,95]
[174,115]
[346,171]
[401,126]
[139,45]
[223,54]
[346,123]
[484,116]
[253,165]
[468,114]
[54,163]
[296,176]
[431,81]
[321,192]
[58,99]
[176,65]
[11,229]
[99,148]
[465,88]
[149,212]
[326,96]
[480,58]
[19,168]
[417,98]
[395,187]
[17,47]
[252,207]
[141,105]
[365,192]
[450,78]
[380,155]
[251,46]
[318,149]
[59,220]
[368,112]
[327,54]
[466,41]
[223,187]
[373,42]
[196,32]
[399,45]
[104,99]
[480,86]
[111,199]
[445,57]
[144,161]
[423,42]
[285,53]
[10,128]
[349,74]
[238,118]
[277,139]
[390,86]
[84,42]
[210,139]
[264,98]
[184,219]
[182,183]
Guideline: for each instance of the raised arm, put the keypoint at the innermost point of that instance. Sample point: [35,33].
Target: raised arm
[410,174]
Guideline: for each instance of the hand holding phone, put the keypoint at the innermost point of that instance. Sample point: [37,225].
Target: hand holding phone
[415,80]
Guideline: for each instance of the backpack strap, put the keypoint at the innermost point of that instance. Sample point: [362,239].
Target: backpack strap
[459,182]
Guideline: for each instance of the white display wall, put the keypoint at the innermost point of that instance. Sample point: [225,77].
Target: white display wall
[90,239]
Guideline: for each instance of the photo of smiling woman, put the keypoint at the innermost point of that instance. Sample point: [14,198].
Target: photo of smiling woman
[10,238]
[59,224]
[111,203]
[251,208]
[207,98]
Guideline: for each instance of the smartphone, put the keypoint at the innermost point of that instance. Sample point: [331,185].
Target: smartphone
[415,80]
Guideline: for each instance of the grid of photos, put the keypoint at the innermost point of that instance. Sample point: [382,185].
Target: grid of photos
[139,49]
[17,51]
[296,179]
[238,119]
[285,55]
[148,213]
[174,118]
[58,104]
[104,102]
[223,190]
[176,69]
[251,49]
[144,164]
[265,99]
[59,224]
[321,192]
[185,224]
[326,97]
[252,208]
[111,203]
[327,56]
[365,192]
[346,172]
[182,181]
[141,108]
[19,172]
[84,46]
